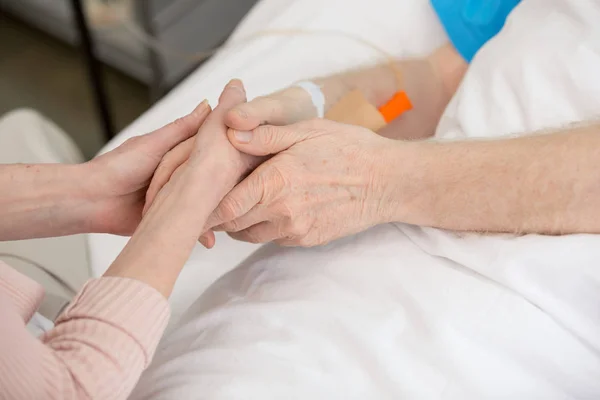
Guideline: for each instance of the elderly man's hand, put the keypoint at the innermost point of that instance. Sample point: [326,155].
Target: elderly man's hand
[326,181]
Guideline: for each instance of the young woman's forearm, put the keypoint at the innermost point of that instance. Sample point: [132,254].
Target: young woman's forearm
[546,183]
[165,238]
[43,200]
[169,231]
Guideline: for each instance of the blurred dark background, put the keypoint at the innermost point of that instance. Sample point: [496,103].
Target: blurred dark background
[43,64]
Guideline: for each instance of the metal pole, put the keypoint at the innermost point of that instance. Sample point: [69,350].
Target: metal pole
[154,59]
[94,69]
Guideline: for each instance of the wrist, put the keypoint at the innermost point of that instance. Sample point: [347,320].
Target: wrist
[73,199]
[100,197]
[449,67]
[405,169]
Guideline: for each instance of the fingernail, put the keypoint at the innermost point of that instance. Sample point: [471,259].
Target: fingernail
[236,84]
[243,136]
[203,241]
[201,107]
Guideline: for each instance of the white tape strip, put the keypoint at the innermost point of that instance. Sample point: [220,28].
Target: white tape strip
[316,94]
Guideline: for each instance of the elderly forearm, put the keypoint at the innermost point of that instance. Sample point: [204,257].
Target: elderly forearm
[43,200]
[546,183]
[429,81]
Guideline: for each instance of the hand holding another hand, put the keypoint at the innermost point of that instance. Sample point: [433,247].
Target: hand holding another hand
[280,108]
[326,180]
[175,219]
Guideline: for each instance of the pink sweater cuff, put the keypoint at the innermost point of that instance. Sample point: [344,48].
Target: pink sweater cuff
[25,293]
[133,306]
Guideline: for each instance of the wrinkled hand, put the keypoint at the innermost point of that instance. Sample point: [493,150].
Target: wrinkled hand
[215,143]
[326,181]
[121,177]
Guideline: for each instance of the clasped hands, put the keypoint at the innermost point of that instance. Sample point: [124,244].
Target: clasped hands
[316,180]
[279,174]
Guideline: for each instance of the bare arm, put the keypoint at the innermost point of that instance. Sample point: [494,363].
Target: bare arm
[543,183]
[106,337]
[173,223]
[430,83]
[43,200]
[546,183]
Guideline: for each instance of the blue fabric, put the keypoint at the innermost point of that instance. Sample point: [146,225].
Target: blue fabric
[471,23]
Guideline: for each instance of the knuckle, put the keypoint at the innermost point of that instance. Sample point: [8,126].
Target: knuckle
[305,241]
[270,136]
[277,179]
[251,236]
[133,141]
[236,236]
[298,227]
[180,122]
[232,226]
[228,209]
[283,209]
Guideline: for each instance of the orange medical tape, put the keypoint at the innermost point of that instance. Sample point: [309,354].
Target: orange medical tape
[397,106]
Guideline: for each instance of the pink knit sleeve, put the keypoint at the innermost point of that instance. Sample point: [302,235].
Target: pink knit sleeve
[99,347]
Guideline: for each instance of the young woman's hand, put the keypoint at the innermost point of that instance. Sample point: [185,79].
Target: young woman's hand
[173,222]
[176,159]
[281,108]
[117,181]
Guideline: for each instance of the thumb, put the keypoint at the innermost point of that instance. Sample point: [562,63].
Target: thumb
[267,139]
[272,110]
[285,107]
[248,116]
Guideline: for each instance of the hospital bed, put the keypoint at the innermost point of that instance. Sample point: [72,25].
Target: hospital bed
[430,314]
[267,64]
